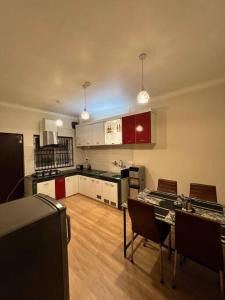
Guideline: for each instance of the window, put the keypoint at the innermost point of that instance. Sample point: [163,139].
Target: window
[53,157]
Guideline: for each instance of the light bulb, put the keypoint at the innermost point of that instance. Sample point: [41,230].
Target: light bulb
[143,97]
[85,115]
[59,123]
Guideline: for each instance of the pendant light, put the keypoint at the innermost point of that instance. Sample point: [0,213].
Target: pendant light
[85,114]
[143,95]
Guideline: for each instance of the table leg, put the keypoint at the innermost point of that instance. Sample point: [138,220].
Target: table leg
[124,233]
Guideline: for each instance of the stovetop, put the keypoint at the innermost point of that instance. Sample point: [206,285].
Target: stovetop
[45,173]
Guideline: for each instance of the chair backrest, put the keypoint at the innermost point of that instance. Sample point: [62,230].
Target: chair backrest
[199,239]
[203,192]
[167,186]
[143,220]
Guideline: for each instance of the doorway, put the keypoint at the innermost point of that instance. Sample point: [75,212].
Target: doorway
[11,166]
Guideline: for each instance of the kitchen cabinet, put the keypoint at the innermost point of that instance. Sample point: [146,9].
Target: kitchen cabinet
[83,135]
[143,128]
[128,129]
[47,188]
[98,190]
[60,191]
[113,132]
[98,133]
[83,185]
[90,188]
[138,128]
[110,193]
[71,183]
[90,135]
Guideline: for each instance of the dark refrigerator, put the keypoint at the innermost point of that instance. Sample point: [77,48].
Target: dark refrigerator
[34,233]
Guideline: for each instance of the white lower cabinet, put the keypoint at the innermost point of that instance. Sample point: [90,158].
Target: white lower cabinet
[47,188]
[98,189]
[83,185]
[110,193]
[71,183]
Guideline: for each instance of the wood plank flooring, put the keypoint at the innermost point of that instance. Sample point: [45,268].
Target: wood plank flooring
[98,270]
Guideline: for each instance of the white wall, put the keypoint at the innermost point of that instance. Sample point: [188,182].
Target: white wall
[190,142]
[26,122]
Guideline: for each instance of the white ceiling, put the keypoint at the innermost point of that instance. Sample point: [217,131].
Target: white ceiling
[50,47]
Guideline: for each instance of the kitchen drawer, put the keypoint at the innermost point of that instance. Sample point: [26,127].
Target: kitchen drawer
[47,188]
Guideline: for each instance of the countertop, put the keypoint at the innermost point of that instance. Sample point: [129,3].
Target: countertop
[98,174]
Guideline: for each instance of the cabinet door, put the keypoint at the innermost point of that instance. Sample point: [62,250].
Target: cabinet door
[71,185]
[90,187]
[113,132]
[113,194]
[110,193]
[80,136]
[82,185]
[143,128]
[128,129]
[106,192]
[98,133]
[60,188]
[98,190]
[47,188]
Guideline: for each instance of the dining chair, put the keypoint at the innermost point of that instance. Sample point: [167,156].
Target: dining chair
[203,192]
[199,239]
[144,223]
[167,186]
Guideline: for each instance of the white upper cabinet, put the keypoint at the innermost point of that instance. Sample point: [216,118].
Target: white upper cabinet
[98,133]
[90,134]
[113,132]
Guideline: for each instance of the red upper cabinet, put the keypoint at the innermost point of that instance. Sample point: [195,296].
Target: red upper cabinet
[143,128]
[128,129]
[137,129]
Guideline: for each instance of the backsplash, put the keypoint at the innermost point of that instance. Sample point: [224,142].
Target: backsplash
[103,158]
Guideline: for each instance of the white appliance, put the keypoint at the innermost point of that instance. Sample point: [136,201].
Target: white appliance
[113,132]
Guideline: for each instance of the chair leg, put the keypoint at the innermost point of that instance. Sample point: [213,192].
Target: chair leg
[174,270]
[132,246]
[221,282]
[161,265]
[169,246]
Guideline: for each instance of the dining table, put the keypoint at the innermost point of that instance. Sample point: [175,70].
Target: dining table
[165,205]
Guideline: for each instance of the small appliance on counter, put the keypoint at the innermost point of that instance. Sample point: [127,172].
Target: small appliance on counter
[79,167]
[87,165]
[136,180]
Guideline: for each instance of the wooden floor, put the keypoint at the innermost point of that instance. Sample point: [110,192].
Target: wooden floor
[99,271]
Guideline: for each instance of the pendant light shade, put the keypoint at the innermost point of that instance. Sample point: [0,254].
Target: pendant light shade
[85,114]
[143,95]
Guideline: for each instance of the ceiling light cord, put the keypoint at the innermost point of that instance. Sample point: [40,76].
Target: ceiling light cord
[85,99]
[142,75]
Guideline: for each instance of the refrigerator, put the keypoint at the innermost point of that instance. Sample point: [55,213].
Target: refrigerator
[34,234]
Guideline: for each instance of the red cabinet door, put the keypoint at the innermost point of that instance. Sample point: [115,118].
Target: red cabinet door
[60,190]
[128,129]
[143,128]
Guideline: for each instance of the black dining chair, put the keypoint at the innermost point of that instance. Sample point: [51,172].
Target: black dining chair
[167,186]
[144,223]
[203,192]
[199,239]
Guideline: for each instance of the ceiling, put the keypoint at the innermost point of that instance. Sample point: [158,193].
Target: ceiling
[50,47]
